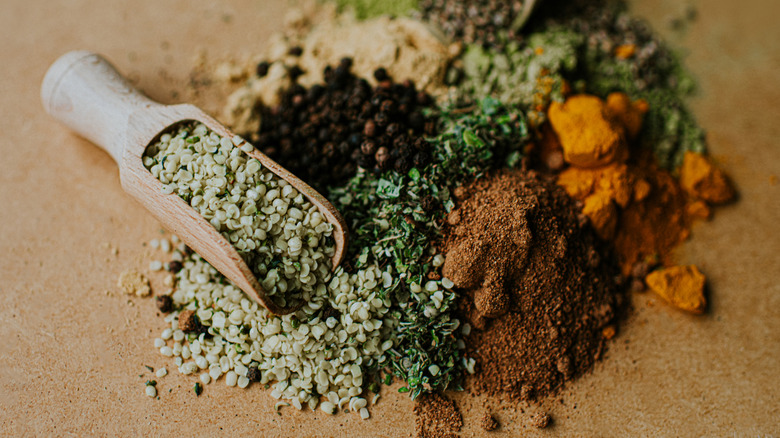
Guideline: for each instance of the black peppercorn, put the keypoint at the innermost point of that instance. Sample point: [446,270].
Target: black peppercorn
[329,149]
[387,106]
[294,72]
[381,120]
[416,120]
[382,157]
[323,133]
[421,159]
[174,266]
[262,69]
[254,374]
[368,147]
[369,129]
[164,303]
[380,74]
[345,63]
[402,165]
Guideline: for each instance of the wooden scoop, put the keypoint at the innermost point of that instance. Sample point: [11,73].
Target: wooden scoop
[524,14]
[87,94]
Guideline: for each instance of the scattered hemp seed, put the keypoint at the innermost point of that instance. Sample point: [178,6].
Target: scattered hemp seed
[151,391]
[198,389]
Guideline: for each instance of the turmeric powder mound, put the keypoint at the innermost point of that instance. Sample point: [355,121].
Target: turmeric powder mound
[703,180]
[652,217]
[588,134]
[680,286]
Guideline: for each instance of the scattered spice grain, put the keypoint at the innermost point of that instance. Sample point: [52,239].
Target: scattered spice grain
[540,420]
[704,181]
[488,422]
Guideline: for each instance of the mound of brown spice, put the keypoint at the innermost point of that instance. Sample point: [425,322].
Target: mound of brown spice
[538,286]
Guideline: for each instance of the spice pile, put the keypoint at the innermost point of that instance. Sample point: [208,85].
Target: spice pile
[536,284]
[345,123]
[501,195]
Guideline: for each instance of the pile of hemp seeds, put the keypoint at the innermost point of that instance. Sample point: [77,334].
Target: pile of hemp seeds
[469,266]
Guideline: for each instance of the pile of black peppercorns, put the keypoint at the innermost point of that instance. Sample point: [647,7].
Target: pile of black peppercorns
[472,21]
[323,133]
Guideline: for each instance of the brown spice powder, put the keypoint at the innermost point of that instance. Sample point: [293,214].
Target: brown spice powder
[539,287]
[436,416]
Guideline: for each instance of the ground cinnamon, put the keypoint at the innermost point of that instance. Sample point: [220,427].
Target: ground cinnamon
[537,284]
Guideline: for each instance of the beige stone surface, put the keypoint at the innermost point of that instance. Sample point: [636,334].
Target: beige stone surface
[71,353]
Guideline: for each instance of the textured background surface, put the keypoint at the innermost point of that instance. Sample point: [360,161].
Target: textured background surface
[71,354]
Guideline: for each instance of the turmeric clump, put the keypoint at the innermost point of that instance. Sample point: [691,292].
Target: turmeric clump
[602,190]
[628,200]
[592,135]
[588,134]
[704,181]
[680,286]
[627,113]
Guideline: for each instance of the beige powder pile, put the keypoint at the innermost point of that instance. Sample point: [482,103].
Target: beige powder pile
[407,48]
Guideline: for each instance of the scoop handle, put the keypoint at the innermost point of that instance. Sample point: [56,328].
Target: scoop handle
[86,93]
